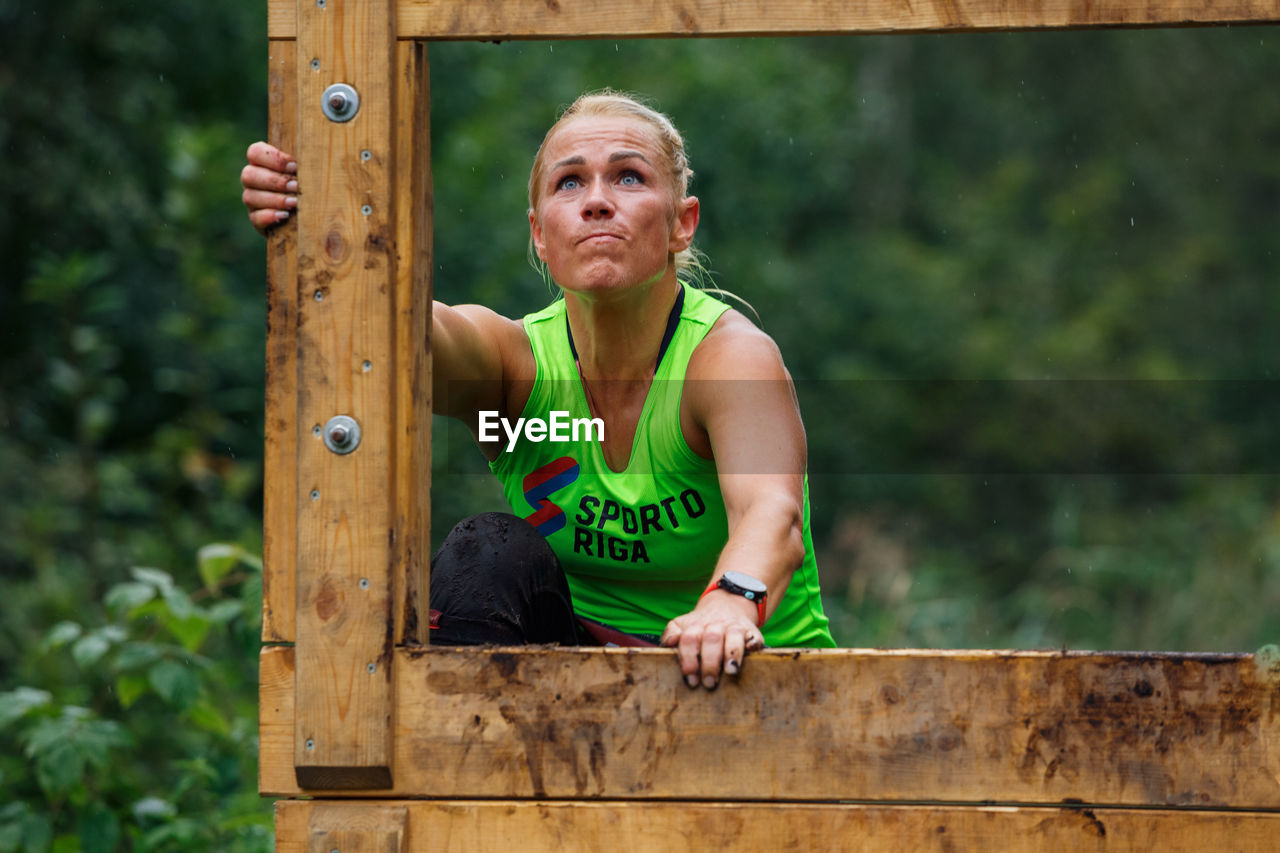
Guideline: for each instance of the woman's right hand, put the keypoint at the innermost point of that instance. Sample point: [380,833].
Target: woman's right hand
[270,188]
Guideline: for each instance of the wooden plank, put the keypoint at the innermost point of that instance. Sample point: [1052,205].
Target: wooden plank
[279,509]
[560,827]
[411,438]
[524,19]
[357,828]
[346,279]
[982,726]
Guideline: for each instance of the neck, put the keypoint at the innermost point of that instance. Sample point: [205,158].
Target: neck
[618,336]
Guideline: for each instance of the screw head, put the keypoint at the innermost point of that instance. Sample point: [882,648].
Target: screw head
[311,744]
[373,667]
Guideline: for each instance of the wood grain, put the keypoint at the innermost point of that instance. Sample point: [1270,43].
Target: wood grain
[356,828]
[346,279]
[559,827]
[280,429]
[411,439]
[1012,727]
[532,19]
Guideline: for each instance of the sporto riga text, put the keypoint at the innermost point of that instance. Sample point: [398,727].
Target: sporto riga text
[558,427]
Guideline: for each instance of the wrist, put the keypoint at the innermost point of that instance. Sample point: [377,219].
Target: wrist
[750,590]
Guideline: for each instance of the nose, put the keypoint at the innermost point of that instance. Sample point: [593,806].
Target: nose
[597,202]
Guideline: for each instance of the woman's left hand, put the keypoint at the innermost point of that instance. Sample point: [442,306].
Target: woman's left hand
[714,636]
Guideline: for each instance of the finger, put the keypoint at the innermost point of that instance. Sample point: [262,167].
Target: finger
[270,157]
[259,178]
[688,649]
[712,654]
[754,640]
[264,219]
[735,649]
[263,200]
[671,634]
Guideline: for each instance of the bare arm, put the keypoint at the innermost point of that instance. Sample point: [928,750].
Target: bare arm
[752,425]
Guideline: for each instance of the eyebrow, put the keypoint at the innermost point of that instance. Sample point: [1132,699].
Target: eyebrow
[626,154]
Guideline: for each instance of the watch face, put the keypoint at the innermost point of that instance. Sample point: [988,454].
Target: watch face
[747,582]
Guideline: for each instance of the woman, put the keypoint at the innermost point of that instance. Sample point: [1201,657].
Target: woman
[690,460]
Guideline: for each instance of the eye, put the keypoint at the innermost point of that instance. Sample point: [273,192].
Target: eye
[568,182]
[630,179]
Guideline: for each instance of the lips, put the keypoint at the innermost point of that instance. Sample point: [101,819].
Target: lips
[600,235]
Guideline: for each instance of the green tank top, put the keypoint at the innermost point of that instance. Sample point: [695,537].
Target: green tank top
[638,546]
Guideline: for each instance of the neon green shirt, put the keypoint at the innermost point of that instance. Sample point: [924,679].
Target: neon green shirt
[638,546]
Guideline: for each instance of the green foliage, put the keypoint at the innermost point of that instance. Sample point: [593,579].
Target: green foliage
[1025,283]
[149,740]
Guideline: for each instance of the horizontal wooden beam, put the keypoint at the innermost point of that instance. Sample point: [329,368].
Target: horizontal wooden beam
[465,827]
[981,726]
[535,19]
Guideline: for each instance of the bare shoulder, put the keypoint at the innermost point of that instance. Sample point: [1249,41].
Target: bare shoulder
[736,348]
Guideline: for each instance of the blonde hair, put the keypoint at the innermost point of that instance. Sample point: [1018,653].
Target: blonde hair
[608,103]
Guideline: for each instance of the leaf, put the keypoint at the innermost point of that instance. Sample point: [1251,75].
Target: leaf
[136,655]
[161,580]
[61,634]
[175,682]
[129,595]
[190,632]
[11,825]
[179,604]
[216,561]
[89,650]
[153,808]
[99,829]
[209,718]
[37,832]
[225,611]
[16,703]
[59,766]
[129,687]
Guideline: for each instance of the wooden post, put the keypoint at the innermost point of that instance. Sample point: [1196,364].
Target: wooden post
[358,322]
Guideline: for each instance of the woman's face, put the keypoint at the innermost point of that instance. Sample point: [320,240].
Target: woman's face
[607,216]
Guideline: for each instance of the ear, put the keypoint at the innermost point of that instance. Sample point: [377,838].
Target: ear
[684,225]
[535,234]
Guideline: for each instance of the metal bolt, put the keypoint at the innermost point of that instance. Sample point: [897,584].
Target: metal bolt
[315,430]
[342,434]
[315,65]
[364,583]
[340,102]
[366,210]
[372,668]
[366,154]
[366,366]
[320,3]
[319,296]
[311,744]
[315,494]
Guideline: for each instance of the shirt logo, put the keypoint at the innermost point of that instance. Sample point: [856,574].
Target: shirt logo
[547,518]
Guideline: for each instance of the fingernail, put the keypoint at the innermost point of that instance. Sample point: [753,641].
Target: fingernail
[691,680]
[282,215]
[731,667]
[291,166]
[292,201]
[292,186]
[709,683]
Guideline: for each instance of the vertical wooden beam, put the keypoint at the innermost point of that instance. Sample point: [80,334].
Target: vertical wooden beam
[413,250]
[280,430]
[358,828]
[346,366]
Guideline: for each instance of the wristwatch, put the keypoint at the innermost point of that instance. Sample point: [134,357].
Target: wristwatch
[745,586]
